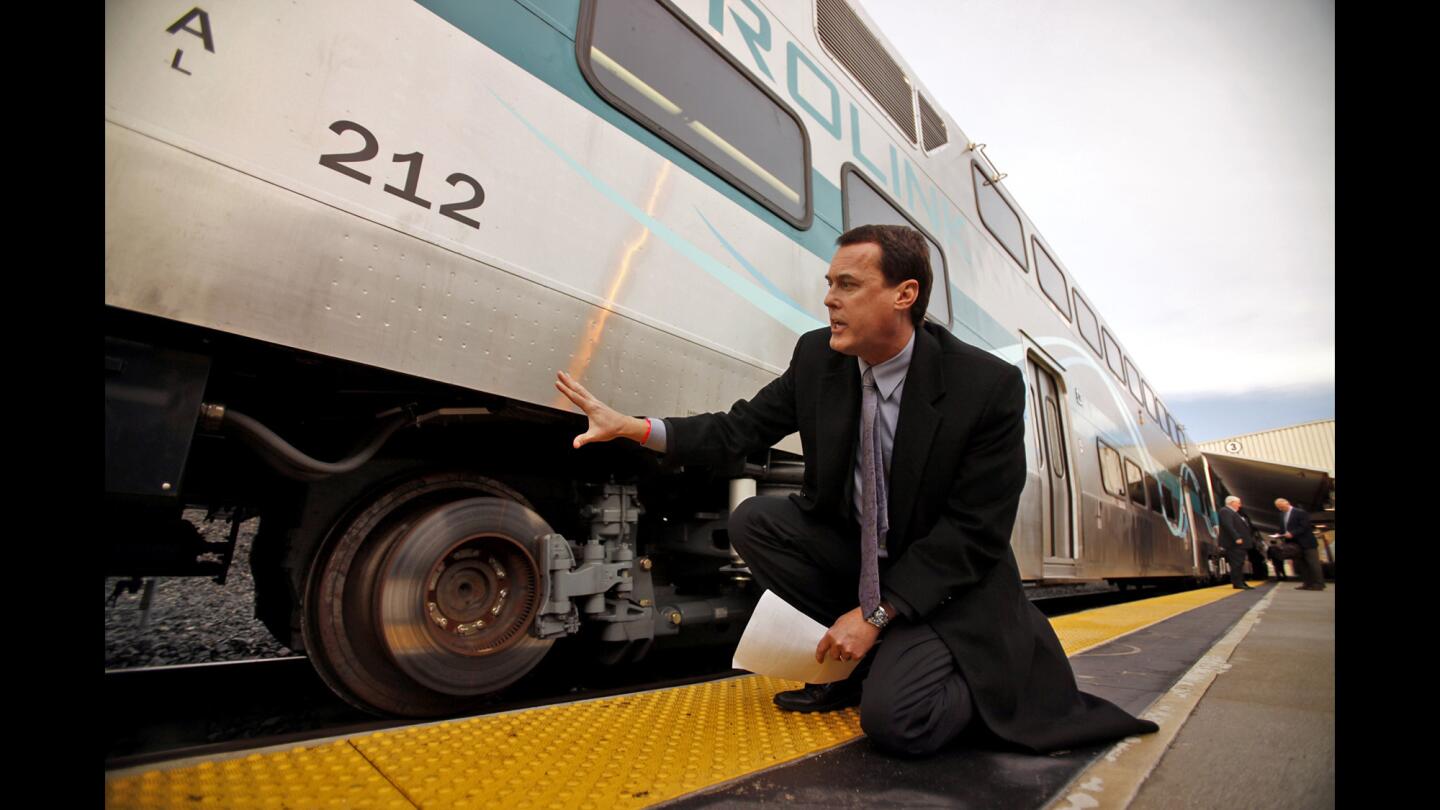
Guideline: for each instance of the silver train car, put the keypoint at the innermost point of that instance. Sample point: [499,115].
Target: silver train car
[348,245]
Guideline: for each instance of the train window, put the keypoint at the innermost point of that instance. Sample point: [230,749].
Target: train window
[1112,354]
[658,67]
[1134,482]
[1052,279]
[1110,475]
[1089,325]
[1132,378]
[999,218]
[1057,444]
[1167,498]
[1153,489]
[1149,400]
[867,205]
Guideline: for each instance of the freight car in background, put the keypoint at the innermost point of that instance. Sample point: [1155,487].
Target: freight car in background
[348,245]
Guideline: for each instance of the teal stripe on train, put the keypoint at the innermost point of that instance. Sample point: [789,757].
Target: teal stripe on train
[751,268]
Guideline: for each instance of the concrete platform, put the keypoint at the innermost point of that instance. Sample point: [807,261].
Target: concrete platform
[1267,724]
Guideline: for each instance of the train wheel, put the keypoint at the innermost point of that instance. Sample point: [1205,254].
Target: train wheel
[423,602]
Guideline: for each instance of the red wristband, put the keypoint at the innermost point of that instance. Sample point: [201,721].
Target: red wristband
[647,430]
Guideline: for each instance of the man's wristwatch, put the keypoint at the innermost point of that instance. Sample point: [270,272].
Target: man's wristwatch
[879,618]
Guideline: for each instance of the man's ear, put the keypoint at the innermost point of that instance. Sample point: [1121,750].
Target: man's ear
[909,290]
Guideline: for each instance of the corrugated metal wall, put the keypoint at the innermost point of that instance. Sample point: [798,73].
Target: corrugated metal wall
[1311,444]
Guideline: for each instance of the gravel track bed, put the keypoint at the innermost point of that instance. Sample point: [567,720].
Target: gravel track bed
[192,619]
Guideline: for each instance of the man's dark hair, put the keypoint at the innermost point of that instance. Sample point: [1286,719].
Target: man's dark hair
[904,254]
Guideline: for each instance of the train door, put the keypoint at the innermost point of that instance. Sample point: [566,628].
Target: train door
[1056,524]
[1187,512]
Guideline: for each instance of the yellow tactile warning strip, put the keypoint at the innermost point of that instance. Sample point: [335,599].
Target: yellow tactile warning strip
[622,752]
[1082,631]
[331,775]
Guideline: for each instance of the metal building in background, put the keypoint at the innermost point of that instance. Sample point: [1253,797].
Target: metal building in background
[1296,463]
[1310,445]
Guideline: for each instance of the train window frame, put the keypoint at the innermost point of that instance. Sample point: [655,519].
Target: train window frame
[1168,504]
[1132,380]
[976,175]
[584,36]
[847,169]
[1131,485]
[1152,489]
[1040,250]
[1150,399]
[1081,303]
[1101,455]
[1108,340]
[1169,423]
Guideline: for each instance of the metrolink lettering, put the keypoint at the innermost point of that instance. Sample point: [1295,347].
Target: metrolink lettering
[815,93]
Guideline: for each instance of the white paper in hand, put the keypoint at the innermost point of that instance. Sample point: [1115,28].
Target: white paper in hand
[780,641]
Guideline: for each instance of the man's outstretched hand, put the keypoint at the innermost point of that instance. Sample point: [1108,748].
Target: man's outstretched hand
[606,423]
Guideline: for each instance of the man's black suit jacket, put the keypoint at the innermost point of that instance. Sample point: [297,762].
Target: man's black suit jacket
[1234,526]
[1300,528]
[956,475]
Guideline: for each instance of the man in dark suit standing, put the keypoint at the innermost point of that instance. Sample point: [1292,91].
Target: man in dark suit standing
[914,465]
[1235,540]
[1295,527]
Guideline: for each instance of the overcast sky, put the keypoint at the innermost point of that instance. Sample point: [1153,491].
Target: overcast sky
[1179,157]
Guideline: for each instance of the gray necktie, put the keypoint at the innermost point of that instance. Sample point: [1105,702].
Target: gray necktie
[874,521]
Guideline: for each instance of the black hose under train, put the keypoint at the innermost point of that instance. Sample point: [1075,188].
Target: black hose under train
[289,461]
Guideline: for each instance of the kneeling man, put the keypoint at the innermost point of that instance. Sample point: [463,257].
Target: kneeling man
[914,465]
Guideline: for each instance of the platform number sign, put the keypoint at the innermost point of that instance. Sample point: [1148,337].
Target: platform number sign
[1232,446]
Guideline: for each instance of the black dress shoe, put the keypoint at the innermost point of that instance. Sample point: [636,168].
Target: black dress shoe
[821,697]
